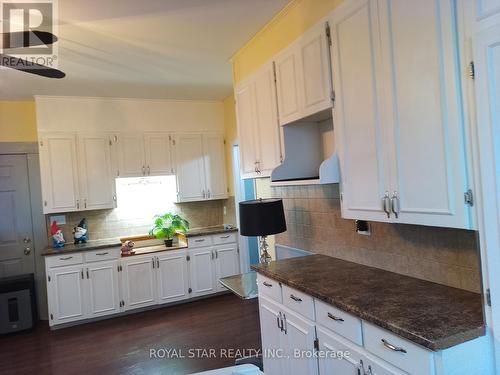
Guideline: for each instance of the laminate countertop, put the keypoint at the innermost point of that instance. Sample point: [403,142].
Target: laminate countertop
[432,315]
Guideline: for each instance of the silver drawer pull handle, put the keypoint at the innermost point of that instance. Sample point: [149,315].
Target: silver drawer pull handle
[225,236]
[106,253]
[336,318]
[66,258]
[296,299]
[267,284]
[394,348]
[199,240]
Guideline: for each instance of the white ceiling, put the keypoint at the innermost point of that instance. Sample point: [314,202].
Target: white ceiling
[146,49]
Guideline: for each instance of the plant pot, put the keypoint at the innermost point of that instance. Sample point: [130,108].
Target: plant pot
[169,243]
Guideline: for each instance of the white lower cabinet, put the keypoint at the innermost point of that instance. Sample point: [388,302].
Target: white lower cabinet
[273,342]
[138,281]
[202,271]
[172,277]
[103,286]
[227,263]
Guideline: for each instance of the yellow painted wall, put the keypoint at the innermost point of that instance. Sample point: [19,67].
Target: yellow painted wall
[17,121]
[283,29]
[230,135]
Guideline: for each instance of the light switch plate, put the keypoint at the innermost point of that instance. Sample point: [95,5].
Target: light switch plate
[59,219]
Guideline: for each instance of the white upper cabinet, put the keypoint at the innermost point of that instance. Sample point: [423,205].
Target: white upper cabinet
[359,133]
[303,80]
[201,173]
[59,172]
[258,127]
[97,188]
[131,161]
[158,158]
[407,141]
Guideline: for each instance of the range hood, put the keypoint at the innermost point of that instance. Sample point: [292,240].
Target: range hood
[310,156]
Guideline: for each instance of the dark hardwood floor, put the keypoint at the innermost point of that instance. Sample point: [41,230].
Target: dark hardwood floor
[122,345]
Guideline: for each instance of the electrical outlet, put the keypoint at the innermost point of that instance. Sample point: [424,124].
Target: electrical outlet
[363,227]
[59,219]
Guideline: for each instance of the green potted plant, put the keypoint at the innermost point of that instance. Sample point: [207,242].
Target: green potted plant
[167,225]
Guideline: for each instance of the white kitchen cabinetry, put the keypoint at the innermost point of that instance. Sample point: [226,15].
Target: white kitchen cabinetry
[59,172]
[257,118]
[200,167]
[130,155]
[202,271]
[227,263]
[103,287]
[273,341]
[97,185]
[303,79]
[402,157]
[76,172]
[139,286]
[172,276]
[158,155]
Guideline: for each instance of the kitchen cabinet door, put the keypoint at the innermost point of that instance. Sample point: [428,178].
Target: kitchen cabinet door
[299,335]
[190,168]
[59,172]
[215,166]
[227,263]
[130,156]
[288,84]
[138,282]
[103,288]
[424,116]
[246,119]
[202,271]
[97,183]
[360,137]
[172,276]
[316,75]
[158,154]
[269,152]
[66,294]
[273,344]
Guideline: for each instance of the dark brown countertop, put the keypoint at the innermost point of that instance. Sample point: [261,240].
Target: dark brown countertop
[432,315]
[209,230]
[90,245]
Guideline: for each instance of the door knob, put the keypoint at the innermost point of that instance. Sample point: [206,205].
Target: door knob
[27,250]
[26,240]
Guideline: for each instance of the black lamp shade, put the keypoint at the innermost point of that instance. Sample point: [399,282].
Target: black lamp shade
[262,217]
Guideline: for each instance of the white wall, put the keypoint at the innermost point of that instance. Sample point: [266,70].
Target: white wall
[116,114]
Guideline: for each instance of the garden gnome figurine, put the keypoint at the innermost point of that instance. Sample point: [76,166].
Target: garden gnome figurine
[80,232]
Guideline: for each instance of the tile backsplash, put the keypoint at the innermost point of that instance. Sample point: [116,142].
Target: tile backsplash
[113,223]
[442,255]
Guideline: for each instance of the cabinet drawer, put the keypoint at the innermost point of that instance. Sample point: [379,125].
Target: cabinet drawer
[339,322]
[269,288]
[224,238]
[388,346]
[102,254]
[64,260]
[298,302]
[199,241]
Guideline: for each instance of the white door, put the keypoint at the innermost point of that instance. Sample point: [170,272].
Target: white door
[424,115]
[269,152]
[158,154]
[246,119]
[227,263]
[360,139]
[272,338]
[131,155]
[202,271]
[215,166]
[59,172]
[315,64]
[300,335]
[172,276]
[288,84]
[16,232]
[103,293]
[97,182]
[139,282]
[190,168]
[65,289]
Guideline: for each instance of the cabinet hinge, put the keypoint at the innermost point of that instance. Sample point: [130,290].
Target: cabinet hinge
[472,70]
[224,141]
[488,297]
[190,290]
[110,143]
[173,142]
[328,34]
[41,143]
[188,258]
[341,197]
[51,317]
[316,344]
[332,98]
[469,198]
[45,203]
[48,278]
[274,72]
[169,137]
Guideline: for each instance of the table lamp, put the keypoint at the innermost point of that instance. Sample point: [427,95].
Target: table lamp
[262,217]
